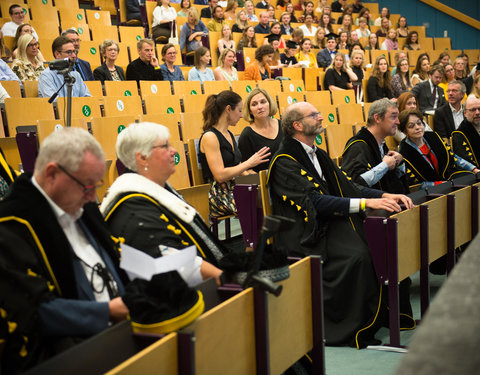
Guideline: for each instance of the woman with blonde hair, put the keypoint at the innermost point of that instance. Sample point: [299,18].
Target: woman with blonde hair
[258,110]
[250,10]
[23,29]
[108,71]
[346,23]
[319,39]
[225,71]
[27,66]
[357,64]
[241,22]
[338,75]
[378,85]
[226,40]
[192,31]
[476,87]
[390,42]
[230,9]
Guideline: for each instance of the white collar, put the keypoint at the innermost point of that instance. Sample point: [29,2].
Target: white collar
[135,183]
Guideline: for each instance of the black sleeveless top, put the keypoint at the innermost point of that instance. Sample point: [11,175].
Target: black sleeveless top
[230,157]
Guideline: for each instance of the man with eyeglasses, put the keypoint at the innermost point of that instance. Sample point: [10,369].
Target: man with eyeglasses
[449,116]
[328,210]
[146,67]
[81,66]
[59,276]
[466,139]
[18,17]
[50,81]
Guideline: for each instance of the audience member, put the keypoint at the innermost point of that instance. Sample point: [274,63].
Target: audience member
[319,40]
[225,71]
[285,27]
[297,35]
[219,155]
[378,85]
[309,9]
[275,31]
[466,139]
[250,9]
[420,73]
[241,22]
[163,20]
[218,20]
[325,23]
[50,81]
[200,72]
[259,69]
[427,157]
[372,44]
[17,15]
[288,56]
[346,24]
[362,31]
[25,28]
[248,39]
[357,6]
[407,101]
[384,27]
[443,59]
[384,13]
[170,71]
[305,56]
[401,79]
[263,25]
[208,11]
[81,66]
[274,41]
[411,43]
[390,42]
[402,27]
[27,66]
[271,13]
[399,55]
[338,5]
[308,28]
[146,66]
[264,131]
[108,71]
[449,116]
[192,31]
[338,75]
[289,8]
[365,13]
[304,174]
[230,10]
[429,95]
[343,42]
[77,288]
[133,10]
[226,39]
[185,5]
[326,55]
[357,64]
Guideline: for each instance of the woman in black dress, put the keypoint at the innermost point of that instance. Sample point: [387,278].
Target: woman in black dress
[378,85]
[338,75]
[219,155]
[258,109]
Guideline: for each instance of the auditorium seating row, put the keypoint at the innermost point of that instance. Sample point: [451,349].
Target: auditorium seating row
[251,332]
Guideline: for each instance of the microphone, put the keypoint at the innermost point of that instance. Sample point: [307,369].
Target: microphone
[60,64]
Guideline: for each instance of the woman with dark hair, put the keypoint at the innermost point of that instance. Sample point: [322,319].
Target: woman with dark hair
[248,39]
[275,30]
[200,72]
[407,101]
[411,43]
[343,40]
[402,27]
[230,9]
[420,73]
[384,27]
[163,17]
[309,9]
[384,13]
[347,10]
[443,59]
[401,79]
[258,110]
[305,56]
[185,5]
[325,23]
[372,44]
[338,75]
[259,70]
[108,71]
[219,155]
[428,159]
[378,85]
[170,71]
[290,10]
[365,13]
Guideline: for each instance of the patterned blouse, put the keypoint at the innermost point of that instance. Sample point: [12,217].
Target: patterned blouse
[26,71]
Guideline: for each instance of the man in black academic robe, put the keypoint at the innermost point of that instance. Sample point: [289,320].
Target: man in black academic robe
[306,186]
[466,139]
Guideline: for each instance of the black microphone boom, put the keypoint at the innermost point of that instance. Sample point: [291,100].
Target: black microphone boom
[60,64]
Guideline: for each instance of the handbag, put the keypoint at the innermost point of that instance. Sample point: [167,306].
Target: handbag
[173,33]
[220,198]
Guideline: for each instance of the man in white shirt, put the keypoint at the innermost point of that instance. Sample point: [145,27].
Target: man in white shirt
[17,15]
[449,116]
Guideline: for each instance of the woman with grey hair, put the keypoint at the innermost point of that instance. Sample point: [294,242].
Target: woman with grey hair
[145,210]
[108,71]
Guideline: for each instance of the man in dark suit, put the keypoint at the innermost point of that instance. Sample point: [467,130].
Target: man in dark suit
[449,116]
[81,66]
[207,12]
[59,264]
[337,6]
[324,57]
[263,27]
[263,4]
[429,95]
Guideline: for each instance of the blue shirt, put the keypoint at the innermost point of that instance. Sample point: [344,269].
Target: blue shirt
[50,81]
[7,74]
[177,74]
[196,75]
[185,33]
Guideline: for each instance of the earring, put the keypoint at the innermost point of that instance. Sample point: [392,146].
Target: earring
[145,168]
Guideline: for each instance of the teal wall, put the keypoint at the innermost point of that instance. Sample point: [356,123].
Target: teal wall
[462,35]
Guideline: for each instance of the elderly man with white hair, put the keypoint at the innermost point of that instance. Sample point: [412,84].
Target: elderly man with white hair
[466,139]
[145,210]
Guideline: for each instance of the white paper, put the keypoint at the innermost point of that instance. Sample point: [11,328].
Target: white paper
[138,264]
[384,348]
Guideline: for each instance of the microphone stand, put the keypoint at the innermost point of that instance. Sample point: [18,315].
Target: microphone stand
[69,81]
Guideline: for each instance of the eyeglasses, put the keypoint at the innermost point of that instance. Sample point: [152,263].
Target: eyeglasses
[17,13]
[473,109]
[70,52]
[314,115]
[86,188]
[32,45]
[165,146]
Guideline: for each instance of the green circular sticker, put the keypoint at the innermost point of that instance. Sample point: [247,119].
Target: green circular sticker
[79,17]
[24,10]
[318,140]
[294,100]
[170,110]
[299,89]
[44,2]
[347,99]
[120,128]
[331,117]
[93,51]
[193,92]
[248,88]
[86,110]
[138,37]
[80,30]
[176,158]
[127,93]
